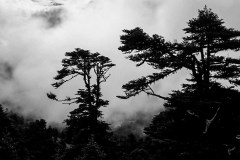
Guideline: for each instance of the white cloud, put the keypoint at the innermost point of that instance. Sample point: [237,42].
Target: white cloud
[35,51]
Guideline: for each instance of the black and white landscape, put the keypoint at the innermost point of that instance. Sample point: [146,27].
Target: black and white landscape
[119,79]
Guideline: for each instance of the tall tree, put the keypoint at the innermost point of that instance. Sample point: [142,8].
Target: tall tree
[204,108]
[200,52]
[84,121]
[204,51]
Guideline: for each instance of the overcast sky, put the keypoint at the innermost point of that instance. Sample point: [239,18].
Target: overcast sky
[34,37]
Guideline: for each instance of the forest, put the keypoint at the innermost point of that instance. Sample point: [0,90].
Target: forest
[201,121]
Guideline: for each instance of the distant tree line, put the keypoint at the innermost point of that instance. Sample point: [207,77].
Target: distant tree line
[26,139]
[200,121]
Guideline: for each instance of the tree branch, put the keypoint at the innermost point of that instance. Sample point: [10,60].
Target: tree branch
[209,121]
[152,93]
[58,84]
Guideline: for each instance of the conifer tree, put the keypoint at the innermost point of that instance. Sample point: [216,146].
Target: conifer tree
[204,51]
[84,121]
[207,107]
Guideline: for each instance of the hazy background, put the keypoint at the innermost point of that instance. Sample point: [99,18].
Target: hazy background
[35,34]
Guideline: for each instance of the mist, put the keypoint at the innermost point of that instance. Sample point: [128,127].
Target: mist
[34,37]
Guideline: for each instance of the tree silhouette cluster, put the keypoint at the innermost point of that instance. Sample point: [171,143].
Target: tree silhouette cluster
[26,139]
[200,121]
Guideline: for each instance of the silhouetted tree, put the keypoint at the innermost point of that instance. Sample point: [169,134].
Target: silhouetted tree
[200,52]
[84,121]
[204,115]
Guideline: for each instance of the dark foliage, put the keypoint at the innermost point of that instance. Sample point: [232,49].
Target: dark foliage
[85,121]
[201,121]
[26,140]
[199,52]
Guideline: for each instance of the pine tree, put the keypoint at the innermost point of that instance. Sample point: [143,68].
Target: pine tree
[203,115]
[205,52]
[84,121]
[201,52]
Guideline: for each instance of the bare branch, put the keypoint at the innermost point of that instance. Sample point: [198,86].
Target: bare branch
[152,93]
[156,95]
[209,121]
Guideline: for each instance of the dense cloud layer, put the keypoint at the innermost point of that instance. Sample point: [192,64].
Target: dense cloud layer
[35,35]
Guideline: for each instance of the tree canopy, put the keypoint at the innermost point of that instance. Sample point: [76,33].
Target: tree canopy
[205,112]
[84,121]
[200,52]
